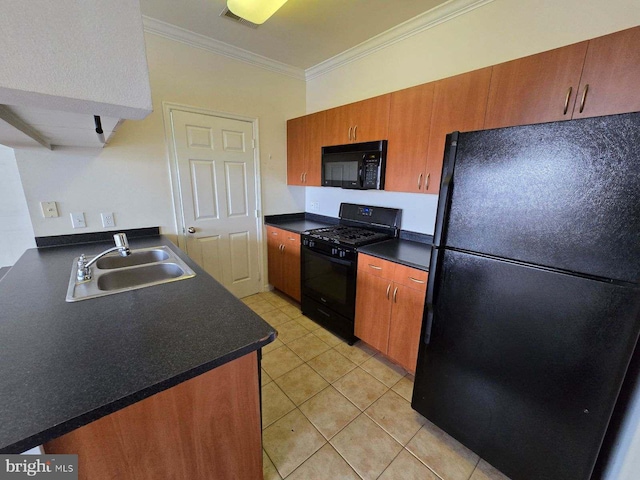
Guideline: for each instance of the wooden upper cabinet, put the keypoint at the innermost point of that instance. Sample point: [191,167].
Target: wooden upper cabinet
[459,104]
[314,137]
[296,152]
[409,126]
[611,75]
[535,89]
[357,122]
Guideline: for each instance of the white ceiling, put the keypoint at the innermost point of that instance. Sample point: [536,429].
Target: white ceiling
[302,34]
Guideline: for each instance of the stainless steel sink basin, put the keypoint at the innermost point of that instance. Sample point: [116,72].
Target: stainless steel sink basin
[139,257]
[114,274]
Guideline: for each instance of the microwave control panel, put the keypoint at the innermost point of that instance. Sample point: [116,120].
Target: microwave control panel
[371,174]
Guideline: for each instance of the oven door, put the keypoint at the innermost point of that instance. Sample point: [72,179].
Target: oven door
[329,281]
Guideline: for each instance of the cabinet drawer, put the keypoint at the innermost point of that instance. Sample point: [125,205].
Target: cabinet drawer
[375,266]
[410,277]
[273,232]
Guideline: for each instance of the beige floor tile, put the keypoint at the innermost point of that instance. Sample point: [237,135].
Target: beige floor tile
[329,411]
[275,299]
[384,370]
[269,471]
[290,441]
[360,388]
[327,337]
[291,311]
[447,457]
[275,318]
[325,464]
[404,387]
[275,404]
[308,346]
[307,323]
[395,415]
[272,346]
[331,365]
[291,330]
[264,378]
[366,447]
[358,353]
[280,361]
[484,471]
[261,307]
[301,383]
[252,299]
[407,467]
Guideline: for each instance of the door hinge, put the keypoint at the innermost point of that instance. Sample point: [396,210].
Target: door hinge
[257,213]
[253,143]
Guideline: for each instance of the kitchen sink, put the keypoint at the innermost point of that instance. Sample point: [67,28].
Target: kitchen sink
[115,274]
[139,257]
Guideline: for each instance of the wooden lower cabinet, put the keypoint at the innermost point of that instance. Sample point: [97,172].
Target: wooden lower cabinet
[283,251]
[389,306]
[207,427]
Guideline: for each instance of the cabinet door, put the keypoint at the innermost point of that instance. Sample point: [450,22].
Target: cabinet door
[409,125]
[611,75]
[373,310]
[406,321]
[535,89]
[370,119]
[314,138]
[296,151]
[459,103]
[337,129]
[274,256]
[291,265]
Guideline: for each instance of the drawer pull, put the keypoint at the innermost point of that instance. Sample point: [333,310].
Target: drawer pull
[375,267]
[388,288]
[416,280]
[566,100]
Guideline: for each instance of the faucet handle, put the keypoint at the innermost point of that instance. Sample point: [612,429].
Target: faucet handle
[83,273]
[122,243]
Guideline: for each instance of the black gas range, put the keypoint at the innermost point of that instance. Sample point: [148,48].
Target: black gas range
[329,264]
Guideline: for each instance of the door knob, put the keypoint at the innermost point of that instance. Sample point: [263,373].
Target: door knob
[191,230]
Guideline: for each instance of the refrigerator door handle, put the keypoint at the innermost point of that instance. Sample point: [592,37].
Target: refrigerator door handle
[436,259]
[446,187]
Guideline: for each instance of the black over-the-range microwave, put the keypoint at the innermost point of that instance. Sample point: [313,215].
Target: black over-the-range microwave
[355,165]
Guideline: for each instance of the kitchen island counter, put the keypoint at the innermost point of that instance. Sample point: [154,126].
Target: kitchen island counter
[64,365]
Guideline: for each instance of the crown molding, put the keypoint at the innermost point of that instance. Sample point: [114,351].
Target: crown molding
[425,21]
[173,32]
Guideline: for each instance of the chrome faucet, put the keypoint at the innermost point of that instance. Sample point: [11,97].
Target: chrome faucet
[84,267]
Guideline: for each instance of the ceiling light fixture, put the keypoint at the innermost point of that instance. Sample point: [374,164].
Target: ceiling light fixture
[256,11]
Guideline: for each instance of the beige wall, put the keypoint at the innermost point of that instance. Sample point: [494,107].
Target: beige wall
[130,177]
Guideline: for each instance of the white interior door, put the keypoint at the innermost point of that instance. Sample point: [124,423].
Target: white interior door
[217,179]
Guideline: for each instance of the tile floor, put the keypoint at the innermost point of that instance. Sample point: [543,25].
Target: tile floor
[331,411]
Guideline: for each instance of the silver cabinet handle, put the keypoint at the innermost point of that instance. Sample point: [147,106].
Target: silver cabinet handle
[280,247]
[419,181]
[191,230]
[388,288]
[350,133]
[566,100]
[305,178]
[395,295]
[283,247]
[375,266]
[301,175]
[584,97]
[426,183]
[355,132]
[416,280]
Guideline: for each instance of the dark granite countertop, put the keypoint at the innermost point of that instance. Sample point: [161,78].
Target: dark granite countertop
[63,365]
[406,252]
[299,222]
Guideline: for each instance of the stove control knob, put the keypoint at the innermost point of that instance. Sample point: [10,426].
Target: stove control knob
[305,242]
[334,251]
[342,253]
[312,243]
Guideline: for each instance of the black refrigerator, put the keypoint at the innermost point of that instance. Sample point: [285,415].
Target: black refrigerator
[533,299]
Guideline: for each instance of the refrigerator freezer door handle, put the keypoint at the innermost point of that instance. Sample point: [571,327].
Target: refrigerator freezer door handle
[445,188]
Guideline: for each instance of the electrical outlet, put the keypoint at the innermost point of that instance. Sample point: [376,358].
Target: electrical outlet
[77,220]
[49,209]
[315,206]
[108,220]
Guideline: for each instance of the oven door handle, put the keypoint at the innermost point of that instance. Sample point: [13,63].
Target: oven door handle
[327,257]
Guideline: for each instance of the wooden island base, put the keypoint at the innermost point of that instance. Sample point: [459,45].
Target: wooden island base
[208,427]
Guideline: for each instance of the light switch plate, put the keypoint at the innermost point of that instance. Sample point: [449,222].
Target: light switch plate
[108,220]
[77,220]
[49,209]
